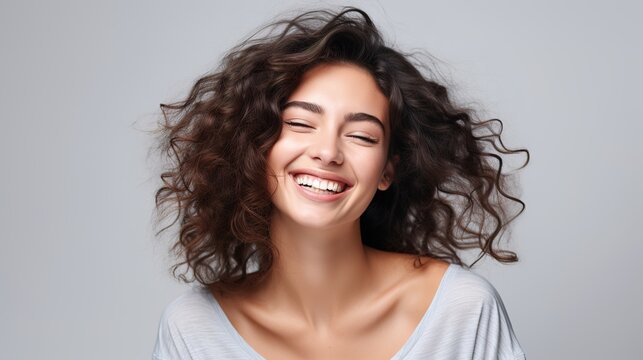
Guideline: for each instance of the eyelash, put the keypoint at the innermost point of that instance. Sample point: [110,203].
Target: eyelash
[368,140]
[296,124]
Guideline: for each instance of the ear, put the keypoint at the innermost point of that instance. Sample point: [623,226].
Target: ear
[389,172]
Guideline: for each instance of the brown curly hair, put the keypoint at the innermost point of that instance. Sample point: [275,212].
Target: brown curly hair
[449,192]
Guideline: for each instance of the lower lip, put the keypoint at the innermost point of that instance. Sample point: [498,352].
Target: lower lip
[317,196]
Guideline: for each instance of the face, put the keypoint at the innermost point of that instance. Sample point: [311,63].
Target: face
[330,158]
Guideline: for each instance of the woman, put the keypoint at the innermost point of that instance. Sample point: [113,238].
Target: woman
[323,188]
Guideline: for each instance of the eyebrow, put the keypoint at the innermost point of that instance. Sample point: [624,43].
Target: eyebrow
[314,108]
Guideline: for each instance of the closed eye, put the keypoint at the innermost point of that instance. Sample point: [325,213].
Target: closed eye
[296,124]
[367,139]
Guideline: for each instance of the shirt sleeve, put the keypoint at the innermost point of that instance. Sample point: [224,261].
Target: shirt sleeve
[190,329]
[495,337]
[168,339]
[468,320]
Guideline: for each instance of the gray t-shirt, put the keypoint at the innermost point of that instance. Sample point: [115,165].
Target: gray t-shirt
[466,320]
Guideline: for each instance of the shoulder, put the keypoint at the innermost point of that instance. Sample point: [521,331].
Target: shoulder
[185,313]
[469,295]
[468,287]
[190,305]
[190,327]
[470,307]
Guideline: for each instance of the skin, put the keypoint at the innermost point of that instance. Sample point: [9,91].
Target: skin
[329,296]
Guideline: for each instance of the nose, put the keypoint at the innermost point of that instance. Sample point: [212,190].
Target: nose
[326,149]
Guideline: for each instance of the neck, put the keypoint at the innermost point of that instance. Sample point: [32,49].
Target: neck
[318,274]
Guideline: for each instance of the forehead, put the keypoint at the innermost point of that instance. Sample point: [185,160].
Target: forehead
[342,88]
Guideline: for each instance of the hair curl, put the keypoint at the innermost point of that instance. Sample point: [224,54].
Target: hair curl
[448,194]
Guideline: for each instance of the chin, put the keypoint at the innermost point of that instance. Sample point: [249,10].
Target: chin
[315,222]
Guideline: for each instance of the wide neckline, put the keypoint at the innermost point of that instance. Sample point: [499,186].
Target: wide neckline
[408,345]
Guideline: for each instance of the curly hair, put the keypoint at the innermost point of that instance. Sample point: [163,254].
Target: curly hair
[449,192]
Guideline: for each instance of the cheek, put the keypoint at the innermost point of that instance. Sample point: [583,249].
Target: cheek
[272,167]
[283,152]
[285,149]
[374,167]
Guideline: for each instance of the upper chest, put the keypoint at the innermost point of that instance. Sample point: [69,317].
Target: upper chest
[377,330]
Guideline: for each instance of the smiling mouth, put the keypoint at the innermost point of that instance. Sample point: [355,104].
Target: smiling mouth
[319,185]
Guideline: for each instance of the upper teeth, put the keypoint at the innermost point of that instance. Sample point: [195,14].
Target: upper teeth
[318,183]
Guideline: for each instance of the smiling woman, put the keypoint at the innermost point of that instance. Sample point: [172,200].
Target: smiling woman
[324,189]
[332,132]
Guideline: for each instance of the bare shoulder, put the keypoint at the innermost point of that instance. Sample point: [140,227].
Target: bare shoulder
[409,266]
[411,284]
[414,280]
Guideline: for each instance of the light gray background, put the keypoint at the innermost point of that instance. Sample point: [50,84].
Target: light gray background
[81,275]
